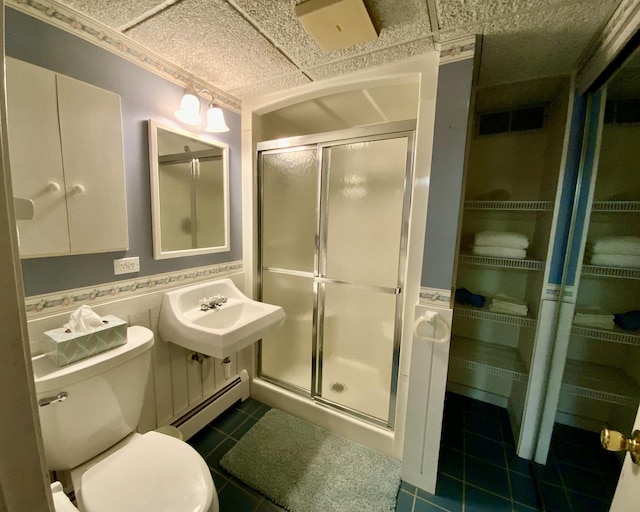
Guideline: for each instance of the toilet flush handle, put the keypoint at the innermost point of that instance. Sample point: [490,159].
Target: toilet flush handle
[60,397]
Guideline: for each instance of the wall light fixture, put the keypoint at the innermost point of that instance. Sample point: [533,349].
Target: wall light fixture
[189,112]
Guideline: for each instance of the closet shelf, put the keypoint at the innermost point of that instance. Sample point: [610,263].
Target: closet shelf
[612,335]
[519,206]
[616,206]
[489,358]
[489,261]
[598,382]
[620,272]
[484,314]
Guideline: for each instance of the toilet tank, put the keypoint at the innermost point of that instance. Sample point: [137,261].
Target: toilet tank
[104,396]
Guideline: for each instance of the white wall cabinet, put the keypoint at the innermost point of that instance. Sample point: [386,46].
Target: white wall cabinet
[66,154]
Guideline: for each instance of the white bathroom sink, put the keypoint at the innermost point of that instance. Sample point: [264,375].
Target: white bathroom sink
[221,330]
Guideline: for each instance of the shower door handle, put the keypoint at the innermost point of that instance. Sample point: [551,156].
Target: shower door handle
[432,319]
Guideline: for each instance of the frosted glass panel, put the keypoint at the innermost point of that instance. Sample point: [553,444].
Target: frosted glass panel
[210,206]
[357,355]
[289,223]
[175,197]
[365,200]
[286,352]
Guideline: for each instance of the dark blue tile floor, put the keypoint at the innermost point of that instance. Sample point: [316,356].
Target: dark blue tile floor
[579,474]
[478,472]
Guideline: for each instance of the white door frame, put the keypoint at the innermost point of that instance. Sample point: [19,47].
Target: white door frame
[23,474]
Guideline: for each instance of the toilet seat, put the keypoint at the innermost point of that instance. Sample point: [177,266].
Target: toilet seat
[153,473]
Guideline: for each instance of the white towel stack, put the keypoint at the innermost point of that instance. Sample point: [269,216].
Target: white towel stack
[617,251]
[593,317]
[501,244]
[502,303]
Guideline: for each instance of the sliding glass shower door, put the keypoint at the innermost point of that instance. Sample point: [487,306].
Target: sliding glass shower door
[333,224]
[289,182]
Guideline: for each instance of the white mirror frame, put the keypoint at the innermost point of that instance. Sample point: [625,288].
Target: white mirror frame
[158,253]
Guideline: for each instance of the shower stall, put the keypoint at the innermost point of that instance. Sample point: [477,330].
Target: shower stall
[333,218]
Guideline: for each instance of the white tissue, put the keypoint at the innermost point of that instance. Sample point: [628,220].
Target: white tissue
[83,320]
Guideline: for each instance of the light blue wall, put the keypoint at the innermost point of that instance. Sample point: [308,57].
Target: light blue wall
[144,95]
[447,166]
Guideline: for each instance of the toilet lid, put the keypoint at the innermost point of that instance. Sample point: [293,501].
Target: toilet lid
[154,473]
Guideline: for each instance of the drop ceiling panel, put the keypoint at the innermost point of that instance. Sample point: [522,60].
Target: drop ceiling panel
[251,47]
[368,60]
[543,43]
[453,13]
[271,85]
[113,14]
[210,39]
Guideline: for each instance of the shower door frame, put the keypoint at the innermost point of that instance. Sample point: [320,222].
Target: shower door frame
[321,142]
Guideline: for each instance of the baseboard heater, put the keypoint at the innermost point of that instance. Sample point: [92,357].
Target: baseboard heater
[205,412]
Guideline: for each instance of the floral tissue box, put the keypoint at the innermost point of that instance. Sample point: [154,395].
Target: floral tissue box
[66,347]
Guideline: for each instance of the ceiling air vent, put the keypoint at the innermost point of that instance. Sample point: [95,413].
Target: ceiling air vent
[336,24]
[622,111]
[529,118]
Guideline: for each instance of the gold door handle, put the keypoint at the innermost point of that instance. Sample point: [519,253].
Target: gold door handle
[616,442]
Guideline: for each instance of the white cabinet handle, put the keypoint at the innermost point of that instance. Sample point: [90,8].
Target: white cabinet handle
[432,319]
[78,189]
[53,186]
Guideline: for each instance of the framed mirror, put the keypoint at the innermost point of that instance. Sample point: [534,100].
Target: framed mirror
[189,193]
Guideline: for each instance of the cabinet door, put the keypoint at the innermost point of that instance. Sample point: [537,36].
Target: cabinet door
[91,137]
[36,159]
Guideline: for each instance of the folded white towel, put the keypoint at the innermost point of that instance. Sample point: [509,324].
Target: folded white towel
[499,252]
[509,311]
[502,239]
[616,260]
[617,245]
[591,311]
[600,325]
[593,317]
[502,303]
[497,308]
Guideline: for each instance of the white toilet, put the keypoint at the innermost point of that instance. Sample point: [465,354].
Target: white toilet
[89,411]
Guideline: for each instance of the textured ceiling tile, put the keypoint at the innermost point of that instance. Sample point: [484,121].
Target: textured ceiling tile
[112,13]
[269,86]
[544,43]
[396,21]
[361,62]
[211,40]
[453,13]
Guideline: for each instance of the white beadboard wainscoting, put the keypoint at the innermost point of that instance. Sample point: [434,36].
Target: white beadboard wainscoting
[177,385]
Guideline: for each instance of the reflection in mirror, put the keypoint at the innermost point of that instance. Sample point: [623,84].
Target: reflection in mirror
[618,166]
[597,324]
[190,193]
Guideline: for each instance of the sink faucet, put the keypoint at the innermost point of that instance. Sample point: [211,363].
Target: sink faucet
[212,302]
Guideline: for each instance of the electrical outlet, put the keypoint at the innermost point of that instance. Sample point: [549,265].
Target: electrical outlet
[126,265]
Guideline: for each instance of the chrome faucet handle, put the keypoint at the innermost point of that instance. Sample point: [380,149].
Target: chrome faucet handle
[205,303]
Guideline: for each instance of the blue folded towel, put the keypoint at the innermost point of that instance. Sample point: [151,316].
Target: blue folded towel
[629,321]
[464,296]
